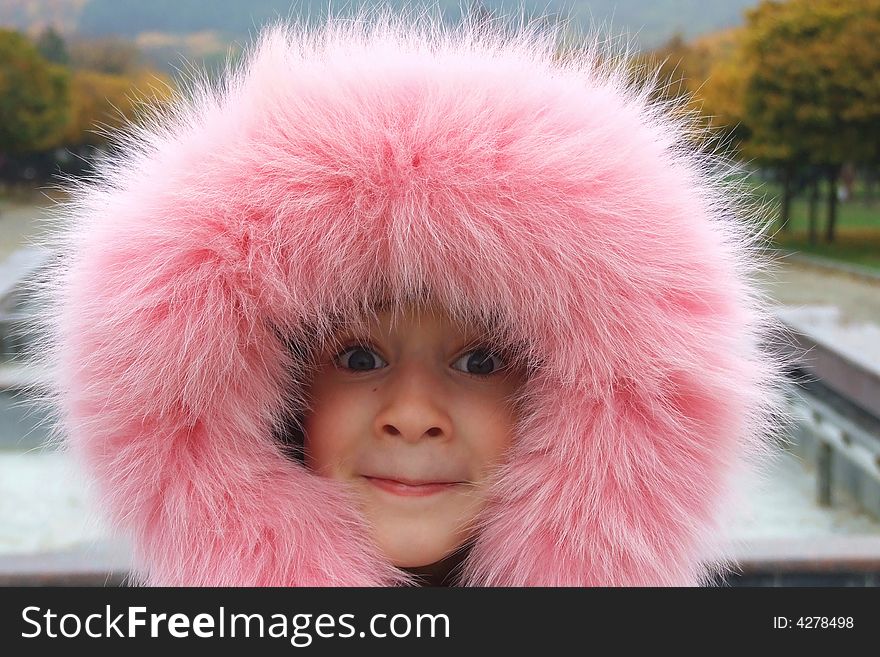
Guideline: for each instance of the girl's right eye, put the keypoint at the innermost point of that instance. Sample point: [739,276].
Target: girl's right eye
[360,358]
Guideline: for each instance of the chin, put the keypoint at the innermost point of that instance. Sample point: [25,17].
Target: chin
[409,559]
[407,551]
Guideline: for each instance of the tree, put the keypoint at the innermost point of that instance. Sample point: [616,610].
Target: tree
[705,77]
[721,93]
[102,102]
[813,93]
[108,55]
[33,96]
[679,68]
[51,46]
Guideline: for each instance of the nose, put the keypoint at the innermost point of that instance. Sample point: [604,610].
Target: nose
[415,406]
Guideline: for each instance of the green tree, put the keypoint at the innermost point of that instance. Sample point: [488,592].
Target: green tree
[33,96]
[813,93]
[51,46]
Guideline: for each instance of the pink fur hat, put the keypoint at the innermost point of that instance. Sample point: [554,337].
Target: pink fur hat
[408,157]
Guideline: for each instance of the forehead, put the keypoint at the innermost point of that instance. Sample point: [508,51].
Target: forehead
[394,319]
[458,317]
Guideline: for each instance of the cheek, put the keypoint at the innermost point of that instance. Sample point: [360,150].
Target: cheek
[489,425]
[335,428]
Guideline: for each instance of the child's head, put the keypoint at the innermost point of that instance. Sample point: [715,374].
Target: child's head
[545,198]
[413,409]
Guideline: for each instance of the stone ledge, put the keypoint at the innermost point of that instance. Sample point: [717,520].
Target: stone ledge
[823,554]
[106,565]
[99,564]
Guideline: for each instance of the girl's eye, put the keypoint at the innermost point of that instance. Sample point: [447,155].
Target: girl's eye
[480,362]
[360,359]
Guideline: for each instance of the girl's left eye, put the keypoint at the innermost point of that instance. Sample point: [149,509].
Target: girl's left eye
[479,362]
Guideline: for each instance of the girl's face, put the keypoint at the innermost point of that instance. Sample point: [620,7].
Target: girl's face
[414,413]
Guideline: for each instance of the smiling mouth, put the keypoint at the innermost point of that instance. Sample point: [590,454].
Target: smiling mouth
[411,489]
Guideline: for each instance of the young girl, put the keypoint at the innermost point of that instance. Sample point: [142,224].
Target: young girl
[415,411]
[527,343]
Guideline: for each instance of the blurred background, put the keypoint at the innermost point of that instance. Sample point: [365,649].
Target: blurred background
[791,89]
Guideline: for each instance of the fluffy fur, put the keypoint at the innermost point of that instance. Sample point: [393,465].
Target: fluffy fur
[406,158]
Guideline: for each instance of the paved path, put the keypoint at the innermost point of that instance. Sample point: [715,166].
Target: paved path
[797,284]
[837,309]
[20,222]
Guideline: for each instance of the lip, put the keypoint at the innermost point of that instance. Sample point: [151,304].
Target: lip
[411,488]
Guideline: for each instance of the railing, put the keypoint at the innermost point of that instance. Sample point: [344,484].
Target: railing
[837,411]
[836,436]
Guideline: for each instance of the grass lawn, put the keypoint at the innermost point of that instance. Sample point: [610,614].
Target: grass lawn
[854,245]
[857,239]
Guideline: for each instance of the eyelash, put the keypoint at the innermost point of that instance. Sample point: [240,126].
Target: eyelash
[368,347]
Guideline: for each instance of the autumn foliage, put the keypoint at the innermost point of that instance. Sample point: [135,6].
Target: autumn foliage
[796,89]
[54,97]
[34,96]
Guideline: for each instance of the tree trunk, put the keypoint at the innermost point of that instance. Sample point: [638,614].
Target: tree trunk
[870,180]
[833,175]
[813,209]
[787,172]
